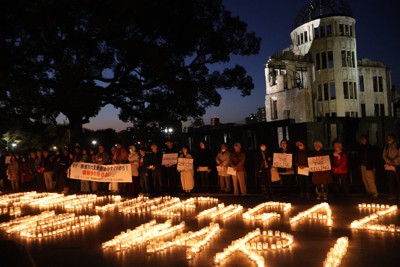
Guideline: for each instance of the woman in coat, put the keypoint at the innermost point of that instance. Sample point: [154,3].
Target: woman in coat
[187,175]
[321,179]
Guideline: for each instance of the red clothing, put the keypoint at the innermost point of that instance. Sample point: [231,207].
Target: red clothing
[339,164]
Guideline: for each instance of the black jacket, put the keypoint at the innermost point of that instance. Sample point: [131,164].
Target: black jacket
[367,156]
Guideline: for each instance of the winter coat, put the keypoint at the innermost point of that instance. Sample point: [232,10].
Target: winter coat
[223,158]
[238,160]
[339,164]
[322,177]
[133,159]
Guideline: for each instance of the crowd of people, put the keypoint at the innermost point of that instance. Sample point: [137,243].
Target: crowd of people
[45,171]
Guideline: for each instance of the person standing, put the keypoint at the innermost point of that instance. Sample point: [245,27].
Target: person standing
[94,186]
[40,170]
[122,158]
[144,171]
[156,169]
[223,164]
[48,165]
[263,165]
[321,179]
[391,155]
[133,159]
[170,170]
[237,160]
[85,185]
[366,156]
[340,170]
[13,173]
[63,165]
[25,175]
[102,158]
[286,174]
[301,163]
[203,163]
[187,176]
[32,170]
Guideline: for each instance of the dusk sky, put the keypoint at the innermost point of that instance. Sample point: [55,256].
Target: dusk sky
[377,30]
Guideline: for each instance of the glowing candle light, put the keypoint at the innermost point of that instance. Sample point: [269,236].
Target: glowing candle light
[366,223]
[336,254]
[313,213]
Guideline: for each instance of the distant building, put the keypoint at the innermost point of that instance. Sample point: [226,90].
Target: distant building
[258,117]
[214,121]
[319,74]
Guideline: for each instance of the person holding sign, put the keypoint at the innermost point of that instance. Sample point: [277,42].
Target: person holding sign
[301,163]
[287,173]
[187,175]
[237,160]
[340,170]
[222,168]
[391,155]
[170,168]
[203,162]
[321,179]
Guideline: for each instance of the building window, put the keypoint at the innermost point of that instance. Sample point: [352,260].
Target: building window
[334,115]
[353,59]
[322,31]
[361,82]
[380,83]
[305,37]
[341,29]
[363,110]
[319,92]
[274,109]
[346,30]
[382,109]
[328,30]
[344,59]
[355,90]
[333,91]
[324,63]
[351,89]
[330,59]
[347,114]
[375,83]
[326,92]
[351,30]
[327,115]
[346,90]
[301,38]
[318,61]
[316,33]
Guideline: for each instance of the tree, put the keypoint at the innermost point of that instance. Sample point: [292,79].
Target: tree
[155,60]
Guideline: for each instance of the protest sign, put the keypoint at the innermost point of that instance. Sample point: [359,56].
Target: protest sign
[117,173]
[169,159]
[321,163]
[185,164]
[282,160]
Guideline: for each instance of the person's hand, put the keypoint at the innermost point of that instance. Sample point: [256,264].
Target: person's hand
[301,167]
[209,171]
[269,159]
[221,165]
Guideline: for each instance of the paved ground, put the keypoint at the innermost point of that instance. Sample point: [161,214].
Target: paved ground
[312,239]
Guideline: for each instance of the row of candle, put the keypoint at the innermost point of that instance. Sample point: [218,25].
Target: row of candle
[240,245]
[194,241]
[174,208]
[142,234]
[118,204]
[336,254]
[12,211]
[250,214]
[366,222]
[48,224]
[373,206]
[313,213]
[285,240]
[142,207]
[21,199]
[221,211]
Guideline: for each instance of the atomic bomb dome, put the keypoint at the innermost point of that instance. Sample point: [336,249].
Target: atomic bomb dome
[316,9]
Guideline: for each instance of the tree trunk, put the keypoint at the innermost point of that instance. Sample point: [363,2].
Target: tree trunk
[76,129]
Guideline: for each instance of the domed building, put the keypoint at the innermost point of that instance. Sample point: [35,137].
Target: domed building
[319,75]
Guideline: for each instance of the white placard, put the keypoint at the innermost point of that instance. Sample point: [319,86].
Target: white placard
[169,159]
[117,173]
[282,160]
[319,163]
[231,171]
[305,171]
[220,169]
[185,164]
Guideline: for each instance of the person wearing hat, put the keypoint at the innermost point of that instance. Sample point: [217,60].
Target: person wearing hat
[237,160]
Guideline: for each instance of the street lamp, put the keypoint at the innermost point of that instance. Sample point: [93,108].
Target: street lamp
[94,142]
[14,145]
